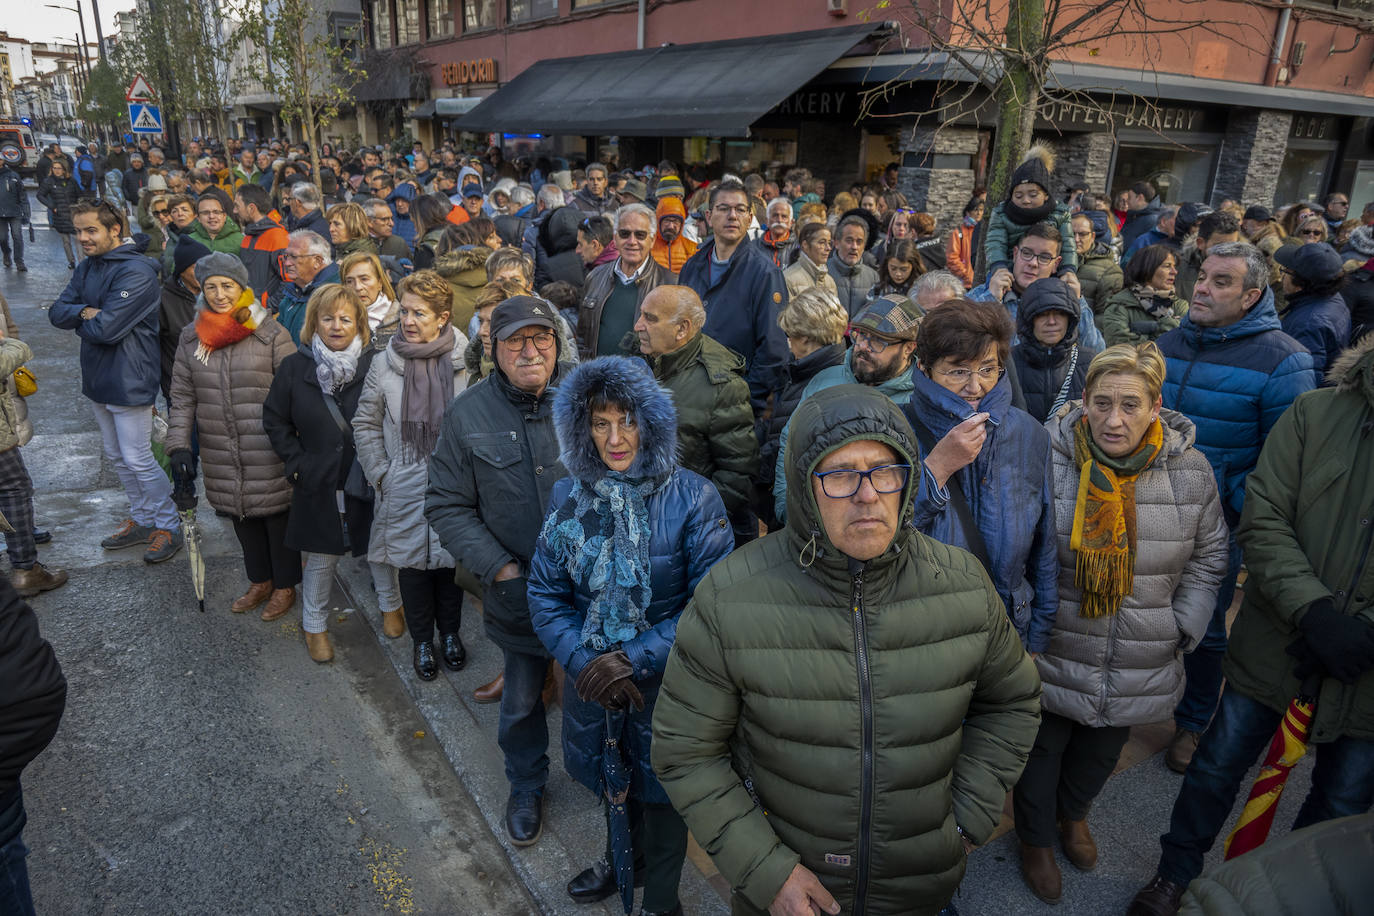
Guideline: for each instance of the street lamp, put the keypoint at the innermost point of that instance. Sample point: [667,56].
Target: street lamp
[81,19]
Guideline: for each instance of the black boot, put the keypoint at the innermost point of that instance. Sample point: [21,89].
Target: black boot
[451,648]
[525,817]
[598,881]
[425,665]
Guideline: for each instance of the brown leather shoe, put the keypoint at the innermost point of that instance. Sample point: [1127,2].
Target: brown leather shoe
[491,691]
[1182,749]
[29,582]
[279,603]
[550,692]
[394,622]
[1161,897]
[1042,873]
[320,647]
[257,593]
[1079,846]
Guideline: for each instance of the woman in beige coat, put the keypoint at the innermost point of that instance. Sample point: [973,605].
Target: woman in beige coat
[1142,548]
[813,240]
[225,361]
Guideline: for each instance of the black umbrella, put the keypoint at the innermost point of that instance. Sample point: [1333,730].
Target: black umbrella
[615,775]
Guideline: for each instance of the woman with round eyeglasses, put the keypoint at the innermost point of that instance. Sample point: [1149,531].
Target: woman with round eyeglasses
[984,482]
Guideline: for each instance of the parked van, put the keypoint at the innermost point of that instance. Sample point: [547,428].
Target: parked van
[17,147]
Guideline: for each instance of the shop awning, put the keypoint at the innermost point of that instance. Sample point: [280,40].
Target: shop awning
[443,108]
[709,89]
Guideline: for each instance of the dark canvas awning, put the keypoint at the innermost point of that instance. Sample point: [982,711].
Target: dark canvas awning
[709,89]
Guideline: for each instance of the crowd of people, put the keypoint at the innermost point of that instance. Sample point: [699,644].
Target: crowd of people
[1009,477]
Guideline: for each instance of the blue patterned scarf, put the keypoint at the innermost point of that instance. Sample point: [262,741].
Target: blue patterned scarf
[601,534]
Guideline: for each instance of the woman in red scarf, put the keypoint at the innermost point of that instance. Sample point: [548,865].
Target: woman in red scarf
[225,361]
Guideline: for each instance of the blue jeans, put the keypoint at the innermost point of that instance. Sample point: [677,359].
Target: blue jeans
[1202,666]
[15,898]
[523,731]
[1342,782]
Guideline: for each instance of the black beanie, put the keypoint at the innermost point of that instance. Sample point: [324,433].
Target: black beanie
[187,252]
[1035,169]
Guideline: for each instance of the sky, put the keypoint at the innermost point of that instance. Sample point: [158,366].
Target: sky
[32,20]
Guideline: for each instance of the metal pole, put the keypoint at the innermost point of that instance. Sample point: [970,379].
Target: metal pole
[639,32]
[99,32]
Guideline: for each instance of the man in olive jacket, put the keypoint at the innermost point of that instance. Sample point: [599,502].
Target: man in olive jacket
[847,703]
[1307,530]
[715,422]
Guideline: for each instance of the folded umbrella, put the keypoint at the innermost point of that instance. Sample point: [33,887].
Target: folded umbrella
[615,777]
[184,495]
[1287,748]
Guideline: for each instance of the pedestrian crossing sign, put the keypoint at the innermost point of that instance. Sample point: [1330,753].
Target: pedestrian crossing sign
[145,118]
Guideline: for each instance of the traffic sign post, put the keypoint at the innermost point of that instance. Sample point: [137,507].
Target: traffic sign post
[139,90]
[145,118]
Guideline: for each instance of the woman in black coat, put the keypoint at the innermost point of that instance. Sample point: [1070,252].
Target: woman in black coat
[814,322]
[316,445]
[59,193]
[1051,365]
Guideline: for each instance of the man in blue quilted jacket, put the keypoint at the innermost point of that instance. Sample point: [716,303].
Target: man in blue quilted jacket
[1232,371]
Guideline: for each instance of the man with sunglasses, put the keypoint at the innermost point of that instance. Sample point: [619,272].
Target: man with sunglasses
[615,290]
[489,483]
[845,705]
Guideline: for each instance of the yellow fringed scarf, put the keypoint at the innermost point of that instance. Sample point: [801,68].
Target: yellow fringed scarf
[1103,536]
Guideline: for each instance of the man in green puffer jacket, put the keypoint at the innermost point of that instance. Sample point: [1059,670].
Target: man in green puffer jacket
[845,697]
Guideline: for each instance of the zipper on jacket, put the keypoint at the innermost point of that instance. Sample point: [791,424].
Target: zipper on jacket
[866,724]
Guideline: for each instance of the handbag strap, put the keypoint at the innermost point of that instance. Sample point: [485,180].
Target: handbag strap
[1062,397]
[957,502]
[344,429]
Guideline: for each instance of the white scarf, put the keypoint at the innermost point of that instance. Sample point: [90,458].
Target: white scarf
[335,368]
[378,310]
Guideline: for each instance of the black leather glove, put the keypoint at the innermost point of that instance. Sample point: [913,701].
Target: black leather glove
[624,694]
[599,679]
[183,469]
[1145,328]
[1343,645]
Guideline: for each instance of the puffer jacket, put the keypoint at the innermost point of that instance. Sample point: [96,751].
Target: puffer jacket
[18,420]
[1127,669]
[222,399]
[13,354]
[800,372]
[1319,323]
[555,254]
[1234,382]
[317,455]
[1004,234]
[1321,869]
[1130,315]
[804,273]
[671,256]
[1139,222]
[263,242]
[688,534]
[1308,534]
[784,732]
[1008,489]
[229,240]
[14,200]
[1041,371]
[490,479]
[60,195]
[1100,276]
[120,364]
[400,535]
[601,282]
[465,269]
[851,283]
[715,424]
[897,389]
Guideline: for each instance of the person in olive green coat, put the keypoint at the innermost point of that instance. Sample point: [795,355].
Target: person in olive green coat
[715,423]
[1147,306]
[847,702]
[1306,624]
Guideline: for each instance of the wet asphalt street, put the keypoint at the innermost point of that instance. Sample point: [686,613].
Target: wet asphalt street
[205,765]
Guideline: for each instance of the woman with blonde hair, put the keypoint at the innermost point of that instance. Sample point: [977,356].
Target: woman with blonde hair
[348,230]
[307,413]
[1142,549]
[362,272]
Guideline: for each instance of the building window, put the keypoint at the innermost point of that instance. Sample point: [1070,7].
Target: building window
[583,4]
[439,21]
[1179,174]
[407,22]
[525,10]
[381,23]
[1303,175]
[479,14]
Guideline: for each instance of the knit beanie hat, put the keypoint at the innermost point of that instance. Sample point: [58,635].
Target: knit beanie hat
[157,183]
[187,252]
[670,186]
[1035,169]
[221,264]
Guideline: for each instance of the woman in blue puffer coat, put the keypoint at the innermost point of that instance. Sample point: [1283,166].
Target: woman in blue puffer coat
[628,536]
[986,483]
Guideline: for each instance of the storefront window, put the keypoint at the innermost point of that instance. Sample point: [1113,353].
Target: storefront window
[479,14]
[524,10]
[440,19]
[1302,177]
[407,22]
[1178,174]
[381,23]
[583,4]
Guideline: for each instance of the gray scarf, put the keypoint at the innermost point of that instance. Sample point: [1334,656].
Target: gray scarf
[425,391]
[335,368]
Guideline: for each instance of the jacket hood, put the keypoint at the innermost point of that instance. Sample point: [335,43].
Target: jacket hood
[619,380]
[558,233]
[461,260]
[1353,370]
[670,206]
[823,422]
[1262,317]
[258,227]
[1179,432]
[1042,296]
[465,171]
[404,191]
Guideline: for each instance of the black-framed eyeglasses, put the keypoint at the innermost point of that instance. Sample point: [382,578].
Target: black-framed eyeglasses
[1030,254]
[874,343]
[542,341]
[845,482]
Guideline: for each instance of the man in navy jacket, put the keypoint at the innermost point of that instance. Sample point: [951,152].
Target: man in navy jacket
[743,291]
[113,302]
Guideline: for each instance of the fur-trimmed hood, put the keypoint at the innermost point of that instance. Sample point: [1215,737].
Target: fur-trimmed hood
[1353,370]
[619,380]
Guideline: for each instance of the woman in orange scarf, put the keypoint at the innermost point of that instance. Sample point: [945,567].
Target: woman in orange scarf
[1142,548]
